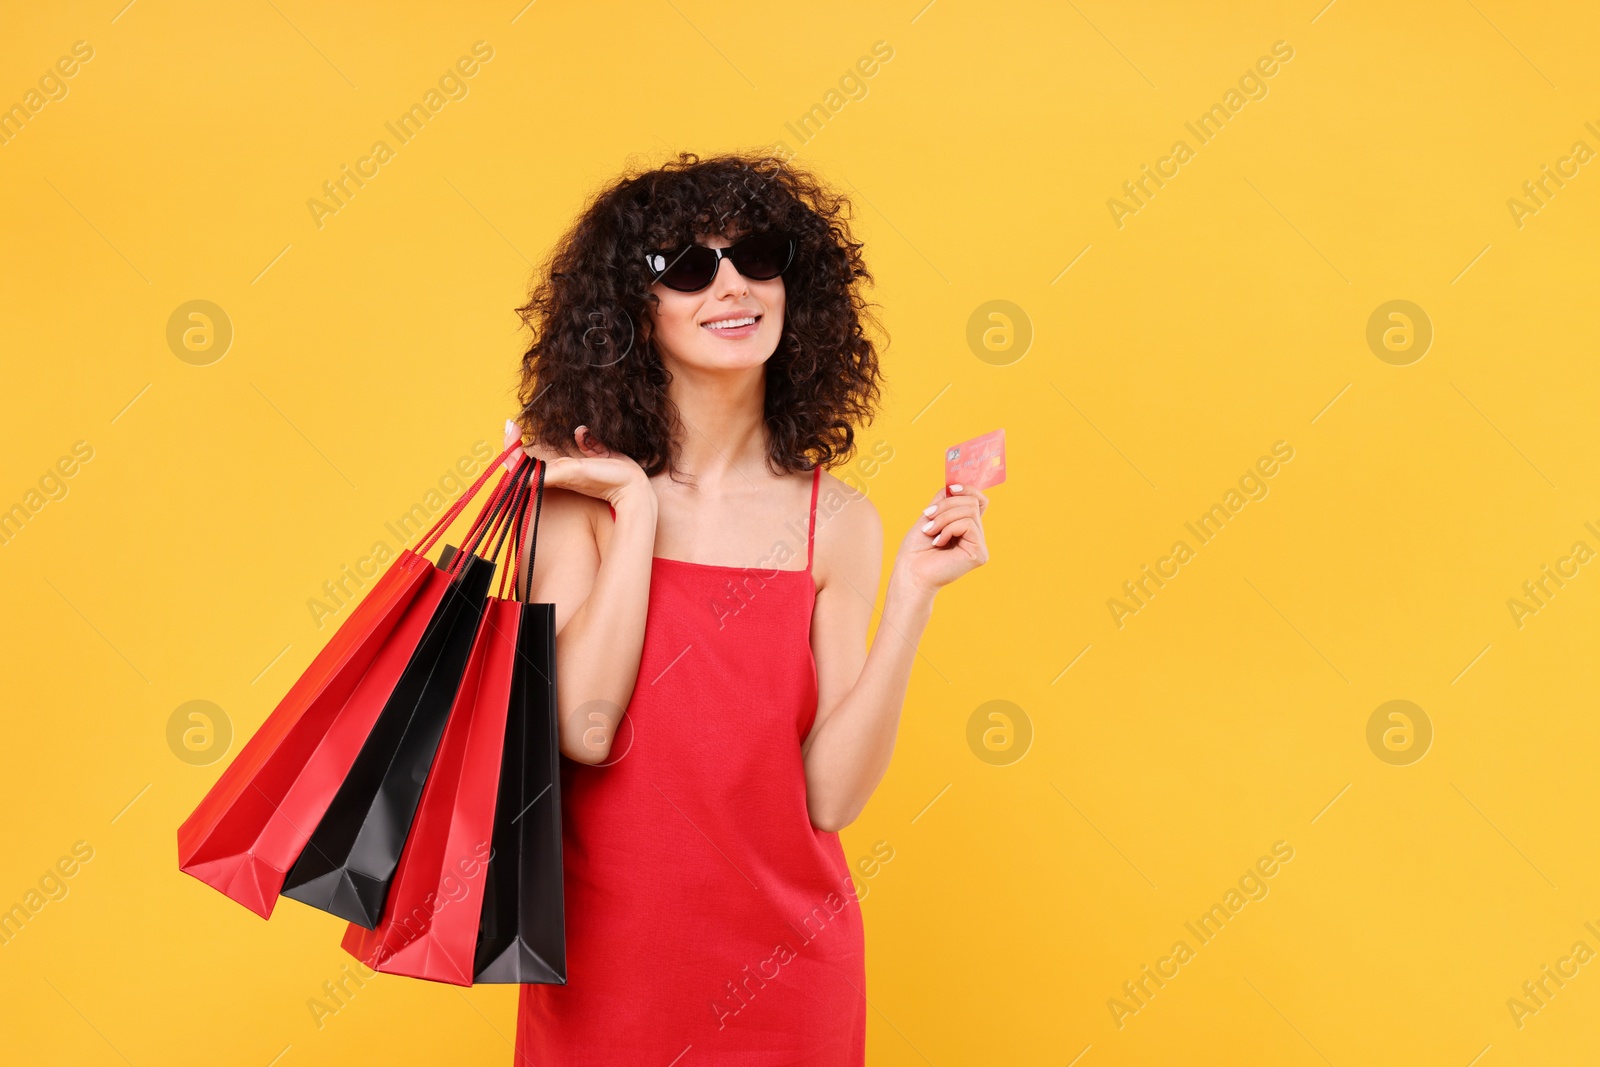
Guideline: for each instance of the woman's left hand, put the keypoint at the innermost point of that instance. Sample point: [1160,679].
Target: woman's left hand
[947,540]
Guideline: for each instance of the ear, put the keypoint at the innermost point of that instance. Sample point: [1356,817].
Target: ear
[540,450]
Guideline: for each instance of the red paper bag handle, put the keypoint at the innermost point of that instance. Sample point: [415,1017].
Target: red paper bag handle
[438,528]
[494,521]
[534,499]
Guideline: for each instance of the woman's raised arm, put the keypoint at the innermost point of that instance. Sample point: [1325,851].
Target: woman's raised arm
[597,573]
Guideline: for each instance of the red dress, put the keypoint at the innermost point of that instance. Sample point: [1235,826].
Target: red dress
[708,922]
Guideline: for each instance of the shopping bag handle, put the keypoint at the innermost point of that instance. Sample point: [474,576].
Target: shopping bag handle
[426,544]
[495,520]
[490,510]
[536,498]
[506,521]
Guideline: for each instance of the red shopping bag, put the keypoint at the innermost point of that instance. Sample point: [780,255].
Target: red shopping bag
[253,823]
[429,927]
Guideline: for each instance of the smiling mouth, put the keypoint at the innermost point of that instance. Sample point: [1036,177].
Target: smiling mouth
[741,323]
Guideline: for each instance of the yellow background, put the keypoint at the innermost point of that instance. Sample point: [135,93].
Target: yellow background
[1228,313]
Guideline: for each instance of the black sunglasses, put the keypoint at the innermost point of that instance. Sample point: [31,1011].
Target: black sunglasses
[759,257]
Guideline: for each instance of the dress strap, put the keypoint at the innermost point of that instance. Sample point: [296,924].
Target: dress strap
[811,528]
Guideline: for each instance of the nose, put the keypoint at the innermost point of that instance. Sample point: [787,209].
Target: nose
[728,279]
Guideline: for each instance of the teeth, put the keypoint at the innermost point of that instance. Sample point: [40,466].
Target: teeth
[729,324]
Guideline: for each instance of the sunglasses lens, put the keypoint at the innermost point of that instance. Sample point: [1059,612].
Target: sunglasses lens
[687,270]
[762,257]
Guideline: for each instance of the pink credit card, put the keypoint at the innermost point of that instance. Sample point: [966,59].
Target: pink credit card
[978,463]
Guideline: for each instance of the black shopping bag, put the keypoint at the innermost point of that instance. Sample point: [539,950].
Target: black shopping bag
[522,928]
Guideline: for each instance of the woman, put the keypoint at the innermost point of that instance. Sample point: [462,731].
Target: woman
[704,319]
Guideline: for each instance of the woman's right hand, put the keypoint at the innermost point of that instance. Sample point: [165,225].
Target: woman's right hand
[598,472]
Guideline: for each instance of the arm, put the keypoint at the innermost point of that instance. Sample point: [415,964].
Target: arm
[597,573]
[860,695]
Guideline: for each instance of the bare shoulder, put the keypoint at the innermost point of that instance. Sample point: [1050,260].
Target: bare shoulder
[849,536]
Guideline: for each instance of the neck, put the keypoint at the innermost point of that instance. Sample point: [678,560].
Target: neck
[723,413]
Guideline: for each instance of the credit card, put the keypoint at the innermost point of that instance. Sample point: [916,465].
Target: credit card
[978,463]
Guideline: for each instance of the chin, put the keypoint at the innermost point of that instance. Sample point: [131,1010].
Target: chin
[751,352]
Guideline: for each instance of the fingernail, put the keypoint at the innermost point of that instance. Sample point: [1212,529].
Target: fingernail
[930,509]
[511,427]
[955,489]
[926,527]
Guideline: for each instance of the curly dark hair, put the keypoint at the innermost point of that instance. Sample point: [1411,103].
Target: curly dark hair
[589,365]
